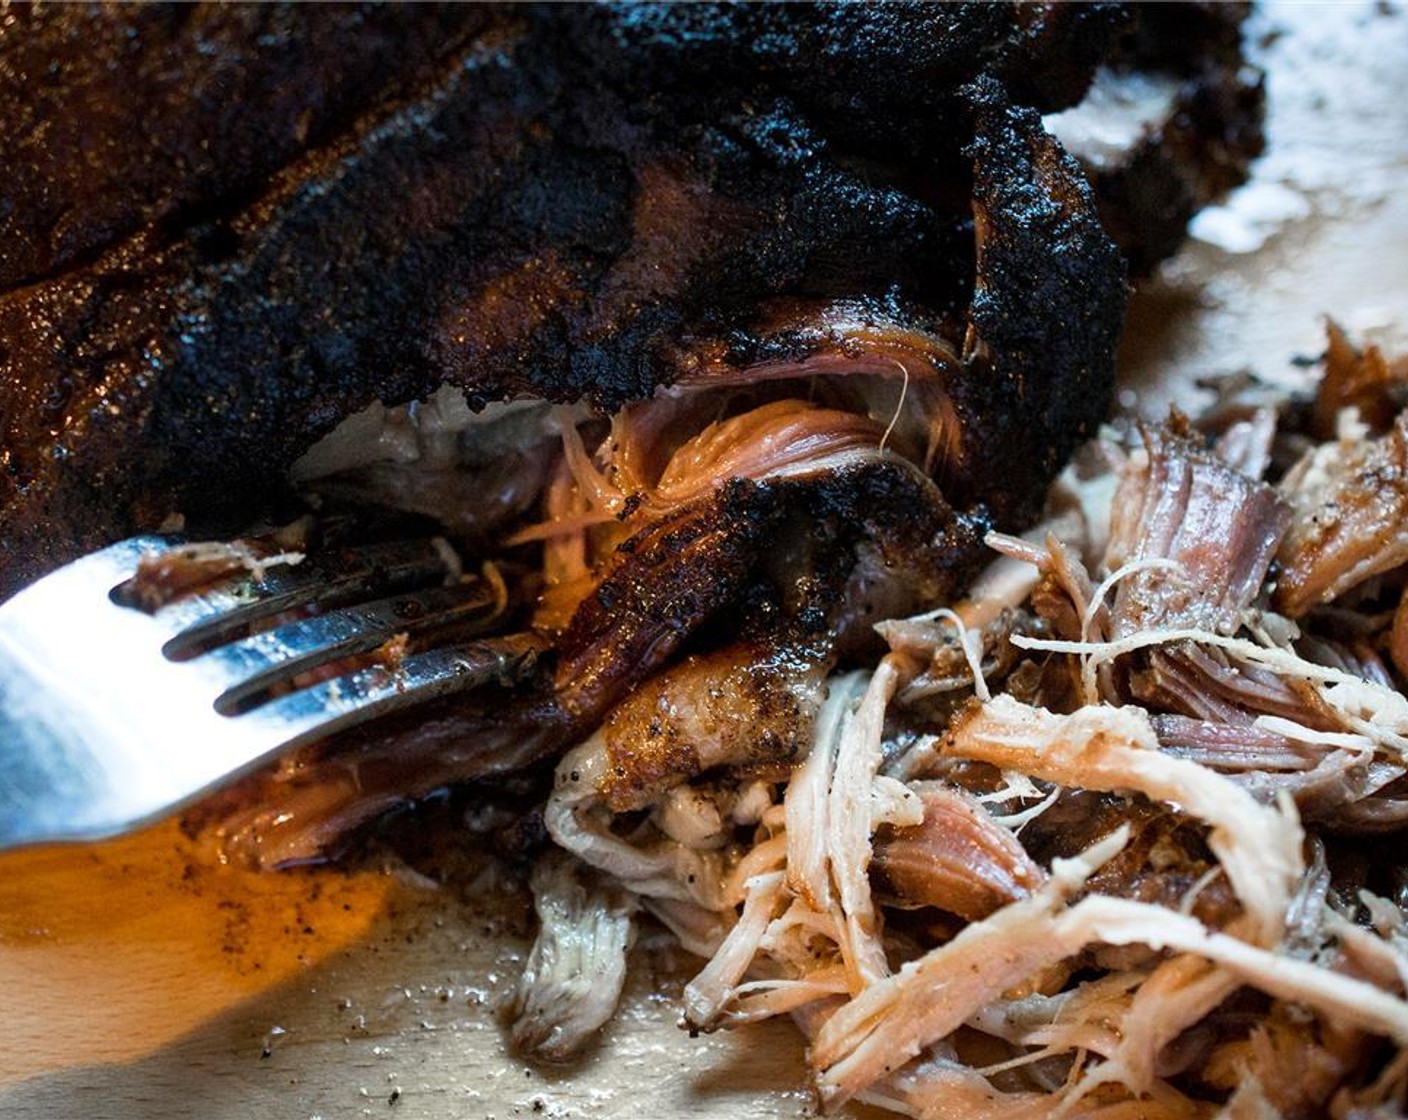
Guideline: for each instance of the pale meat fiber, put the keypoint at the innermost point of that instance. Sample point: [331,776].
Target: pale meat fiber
[838,657]
[1104,859]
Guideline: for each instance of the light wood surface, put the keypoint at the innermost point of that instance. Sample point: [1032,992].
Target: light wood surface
[140,978]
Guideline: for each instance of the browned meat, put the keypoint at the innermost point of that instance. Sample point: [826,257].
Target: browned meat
[287,213]
[675,578]
[993,883]
[1203,525]
[669,580]
[1109,760]
[956,859]
[1191,110]
[838,234]
[747,707]
[1361,379]
[1351,505]
[1161,864]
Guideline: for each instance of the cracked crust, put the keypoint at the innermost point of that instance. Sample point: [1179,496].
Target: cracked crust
[551,205]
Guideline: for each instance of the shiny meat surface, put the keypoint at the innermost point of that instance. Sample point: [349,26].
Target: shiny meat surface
[957,858]
[1184,521]
[1351,500]
[562,201]
[747,708]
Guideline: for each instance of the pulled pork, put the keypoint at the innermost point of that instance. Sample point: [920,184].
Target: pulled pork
[1089,843]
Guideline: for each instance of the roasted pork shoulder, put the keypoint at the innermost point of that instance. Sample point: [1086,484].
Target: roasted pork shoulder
[226,229]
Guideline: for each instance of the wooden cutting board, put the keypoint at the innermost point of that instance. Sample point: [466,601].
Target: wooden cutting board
[141,978]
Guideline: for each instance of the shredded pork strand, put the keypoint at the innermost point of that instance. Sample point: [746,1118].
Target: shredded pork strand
[850,820]
[577,966]
[1086,844]
[1104,748]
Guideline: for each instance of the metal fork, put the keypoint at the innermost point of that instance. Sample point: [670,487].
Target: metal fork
[111,716]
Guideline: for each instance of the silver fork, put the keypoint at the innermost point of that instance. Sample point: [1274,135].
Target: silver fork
[111,716]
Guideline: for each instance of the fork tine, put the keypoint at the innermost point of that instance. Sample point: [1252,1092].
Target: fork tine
[100,731]
[332,578]
[353,698]
[274,657]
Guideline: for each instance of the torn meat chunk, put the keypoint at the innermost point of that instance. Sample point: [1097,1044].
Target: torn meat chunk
[1183,522]
[1350,498]
[956,858]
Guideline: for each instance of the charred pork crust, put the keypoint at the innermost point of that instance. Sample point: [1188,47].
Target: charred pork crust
[559,201]
[1046,314]
[166,115]
[1201,148]
[668,580]
[667,592]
